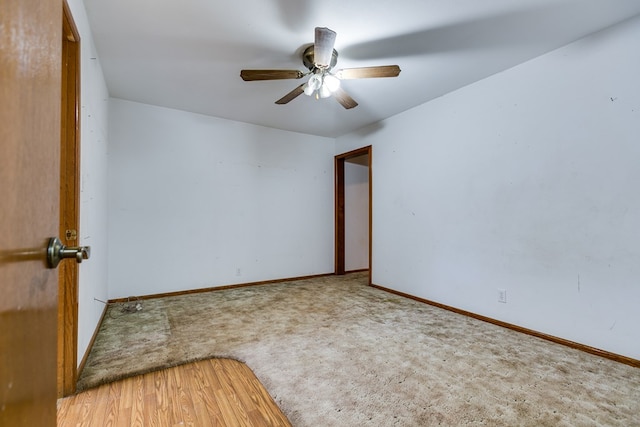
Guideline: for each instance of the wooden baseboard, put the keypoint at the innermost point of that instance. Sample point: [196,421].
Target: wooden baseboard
[90,346]
[215,288]
[582,347]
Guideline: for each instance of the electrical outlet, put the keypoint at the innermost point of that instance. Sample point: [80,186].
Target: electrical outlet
[502,296]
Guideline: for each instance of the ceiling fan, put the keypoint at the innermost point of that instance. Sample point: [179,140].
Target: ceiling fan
[320,58]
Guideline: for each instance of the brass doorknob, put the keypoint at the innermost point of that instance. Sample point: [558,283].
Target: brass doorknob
[56,252]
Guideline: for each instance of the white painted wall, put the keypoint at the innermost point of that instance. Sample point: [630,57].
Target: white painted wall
[356,216]
[526,181]
[93,182]
[197,201]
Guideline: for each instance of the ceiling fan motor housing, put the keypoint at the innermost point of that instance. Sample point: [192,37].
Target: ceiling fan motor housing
[308,59]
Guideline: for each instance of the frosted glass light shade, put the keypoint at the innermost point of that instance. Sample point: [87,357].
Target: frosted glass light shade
[308,90]
[324,91]
[331,82]
[314,83]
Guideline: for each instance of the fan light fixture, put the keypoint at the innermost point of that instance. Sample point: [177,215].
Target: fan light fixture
[323,84]
[320,58]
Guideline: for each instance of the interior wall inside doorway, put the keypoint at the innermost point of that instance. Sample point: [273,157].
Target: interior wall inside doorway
[356,195]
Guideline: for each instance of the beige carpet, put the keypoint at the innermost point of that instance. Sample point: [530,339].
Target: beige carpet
[335,352]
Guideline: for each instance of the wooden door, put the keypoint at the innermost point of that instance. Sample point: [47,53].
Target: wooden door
[30,51]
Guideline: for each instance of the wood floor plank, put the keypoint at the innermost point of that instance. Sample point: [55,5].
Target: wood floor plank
[88,403]
[245,399]
[201,416]
[209,393]
[263,402]
[183,394]
[204,417]
[126,394]
[173,389]
[96,405]
[213,409]
[151,416]
[111,413]
[123,415]
[161,389]
[214,391]
[223,398]
[234,390]
[137,402]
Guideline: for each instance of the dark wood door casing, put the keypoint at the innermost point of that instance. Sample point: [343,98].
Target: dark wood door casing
[340,207]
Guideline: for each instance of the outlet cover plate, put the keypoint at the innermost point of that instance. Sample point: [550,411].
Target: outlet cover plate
[502,296]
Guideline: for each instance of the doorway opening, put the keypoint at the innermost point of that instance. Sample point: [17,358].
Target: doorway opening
[362,157]
[67,370]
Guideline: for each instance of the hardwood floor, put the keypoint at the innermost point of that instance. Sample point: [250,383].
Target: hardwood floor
[214,392]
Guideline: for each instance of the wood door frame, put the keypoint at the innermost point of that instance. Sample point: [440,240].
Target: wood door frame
[339,208]
[67,366]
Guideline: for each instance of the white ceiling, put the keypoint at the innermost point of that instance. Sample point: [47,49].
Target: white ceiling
[187,54]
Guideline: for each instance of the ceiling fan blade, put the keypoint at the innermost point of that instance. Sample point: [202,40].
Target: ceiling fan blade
[251,75]
[368,72]
[344,99]
[291,95]
[323,46]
